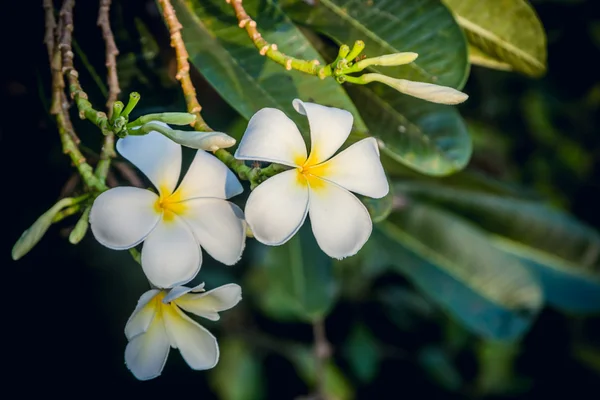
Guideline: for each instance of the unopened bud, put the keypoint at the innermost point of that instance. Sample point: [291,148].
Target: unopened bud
[211,141]
[421,90]
[388,60]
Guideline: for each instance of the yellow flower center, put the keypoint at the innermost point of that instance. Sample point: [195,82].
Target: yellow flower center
[169,205]
[310,173]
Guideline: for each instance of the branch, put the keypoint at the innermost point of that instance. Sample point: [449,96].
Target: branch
[183,66]
[108,147]
[59,106]
[270,50]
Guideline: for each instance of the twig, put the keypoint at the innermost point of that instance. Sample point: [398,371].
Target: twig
[270,50]
[86,111]
[59,104]
[322,354]
[183,66]
[108,147]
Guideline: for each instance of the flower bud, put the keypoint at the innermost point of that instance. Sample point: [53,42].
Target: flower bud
[211,141]
[388,60]
[421,90]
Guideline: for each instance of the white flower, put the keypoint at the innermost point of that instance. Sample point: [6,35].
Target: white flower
[157,324]
[175,223]
[317,185]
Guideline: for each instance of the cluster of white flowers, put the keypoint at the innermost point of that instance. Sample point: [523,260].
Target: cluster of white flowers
[175,223]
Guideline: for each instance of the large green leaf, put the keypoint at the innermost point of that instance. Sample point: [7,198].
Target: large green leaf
[452,261]
[507,31]
[562,251]
[300,276]
[429,138]
[227,58]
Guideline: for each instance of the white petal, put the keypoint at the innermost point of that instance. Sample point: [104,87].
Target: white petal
[158,157]
[208,177]
[209,304]
[340,222]
[122,217]
[146,354]
[276,209]
[171,256]
[179,291]
[271,136]
[143,315]
[358,169]
[329,129]
[197,345]
[218,226]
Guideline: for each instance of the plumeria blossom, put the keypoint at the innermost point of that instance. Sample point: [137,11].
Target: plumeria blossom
[318,185]
[173,224]
[158,323]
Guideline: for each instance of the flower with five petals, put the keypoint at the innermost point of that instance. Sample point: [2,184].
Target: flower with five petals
[158,323]
[173,224]
[318,185]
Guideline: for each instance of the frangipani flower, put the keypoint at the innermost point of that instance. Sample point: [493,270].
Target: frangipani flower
[173,224]
[157,324]
[318,185]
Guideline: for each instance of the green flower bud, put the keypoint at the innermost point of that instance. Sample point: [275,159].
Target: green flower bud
[388,60]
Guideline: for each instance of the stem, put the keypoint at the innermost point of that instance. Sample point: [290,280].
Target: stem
[265,48]
[183,67]
[108,147]
[322,354]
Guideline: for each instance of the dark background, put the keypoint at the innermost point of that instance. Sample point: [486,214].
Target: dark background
[65,306]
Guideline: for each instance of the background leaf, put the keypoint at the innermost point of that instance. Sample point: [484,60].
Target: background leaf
[508,31]
[562,251]
[454,263]
[300,275]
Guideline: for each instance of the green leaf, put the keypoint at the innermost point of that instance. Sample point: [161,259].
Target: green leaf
[238,376]
[227,58]
[508,31]
[35,232]
[301,276]
[363,353]
[478,57]
[562,251]
[452,261]
[421,26]
[427,137]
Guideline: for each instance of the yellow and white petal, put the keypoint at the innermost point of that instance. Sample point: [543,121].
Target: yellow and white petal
[218,226]
[340,222]
[146,354]
[272,137]
[179,291]
[197,345]
[171,256]
[158,157]
[143,315]
[277,208]
[209,304]
[357,169]
[208,177]
[123,217]
[329,129]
